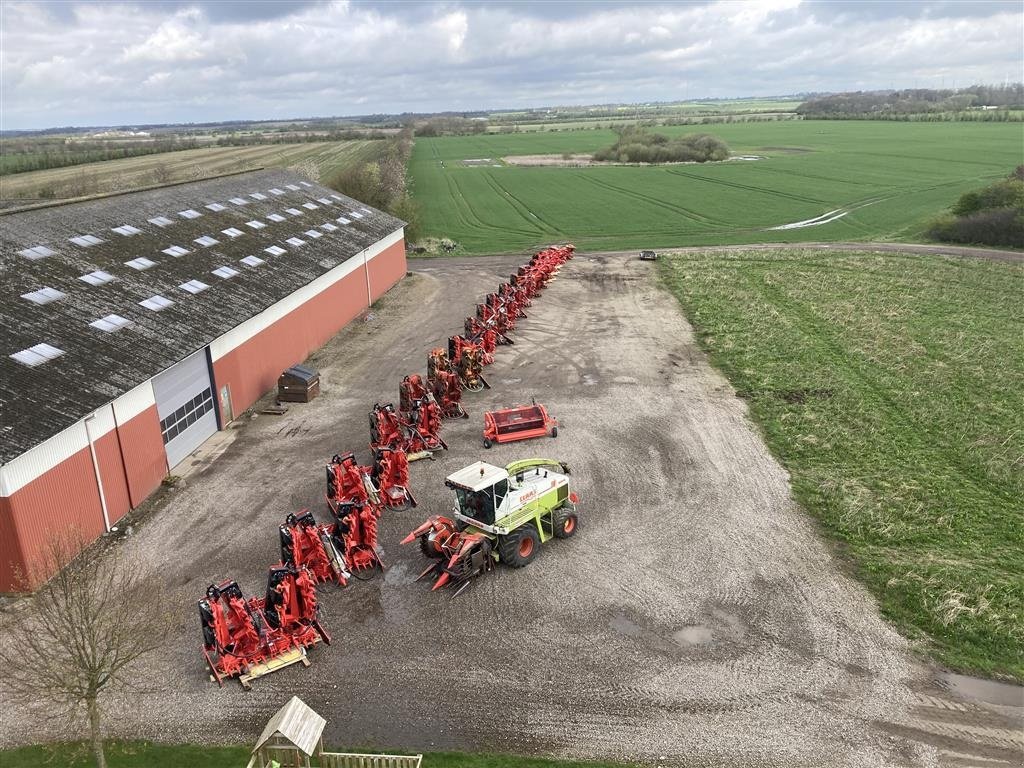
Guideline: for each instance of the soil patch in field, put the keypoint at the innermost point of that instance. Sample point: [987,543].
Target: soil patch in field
[580,161]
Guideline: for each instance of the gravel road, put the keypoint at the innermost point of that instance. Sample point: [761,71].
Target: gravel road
[698,618]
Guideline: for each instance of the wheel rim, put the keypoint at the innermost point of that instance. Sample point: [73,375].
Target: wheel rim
[570,525]
[526,547]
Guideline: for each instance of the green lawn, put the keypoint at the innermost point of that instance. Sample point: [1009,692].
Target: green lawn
[147,755]
[892,177]
[892,389]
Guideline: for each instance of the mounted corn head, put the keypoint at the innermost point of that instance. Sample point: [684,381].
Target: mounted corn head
[249,638]
[467,360]
[501,515]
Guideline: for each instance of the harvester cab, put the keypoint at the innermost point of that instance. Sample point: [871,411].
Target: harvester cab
[501,514]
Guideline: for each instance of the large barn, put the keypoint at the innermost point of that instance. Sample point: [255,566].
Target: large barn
[134,326]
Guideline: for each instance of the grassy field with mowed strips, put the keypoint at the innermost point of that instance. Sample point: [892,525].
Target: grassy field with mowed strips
[148,755]
[315,158]
[892,389]
[891,177]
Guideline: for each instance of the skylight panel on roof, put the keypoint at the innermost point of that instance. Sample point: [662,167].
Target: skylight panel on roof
[305,184]
[238,201]
[328,227]
[86,240]
[293,211]
[293,187]
[313,234]
[232,232]
[342,220]
[175,250]
[337,197]
[258,196]
[36,355]
[194,286]
[295,241]
[156,303]
[44,295]
[160,221]
[367,211]
[216,207]
[275,217]
[275,250]
[356,215]
[127,230]
[255,224]
[310,206]
[206,241]
[99,277]
[190,214]
[37,252]
[252,261]
[110,323]
[225,272]
[140,263]
[276,191]
[325,200]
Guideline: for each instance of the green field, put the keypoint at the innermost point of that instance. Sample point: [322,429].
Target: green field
[892,177]
[316,159]
[148,755]
[892,389]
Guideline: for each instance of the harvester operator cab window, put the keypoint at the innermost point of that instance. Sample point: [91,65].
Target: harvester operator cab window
[478,505]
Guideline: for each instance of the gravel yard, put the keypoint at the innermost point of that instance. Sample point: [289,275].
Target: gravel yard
[697,618]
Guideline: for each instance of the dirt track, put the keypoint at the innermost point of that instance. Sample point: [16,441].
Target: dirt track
[697,618]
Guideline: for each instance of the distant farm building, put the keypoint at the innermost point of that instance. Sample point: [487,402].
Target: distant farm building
[135,326]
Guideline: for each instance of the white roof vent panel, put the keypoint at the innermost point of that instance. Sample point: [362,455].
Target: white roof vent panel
[140,263]
[110,323]
[156,303]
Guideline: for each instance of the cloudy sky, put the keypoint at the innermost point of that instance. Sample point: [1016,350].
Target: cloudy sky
[112,63]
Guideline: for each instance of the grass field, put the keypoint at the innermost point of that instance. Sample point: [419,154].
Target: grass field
[892,389]
[892,177]
[147,755]
[318,158]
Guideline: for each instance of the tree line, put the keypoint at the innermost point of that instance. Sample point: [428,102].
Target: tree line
[383,182]
[888,105]
[993,215]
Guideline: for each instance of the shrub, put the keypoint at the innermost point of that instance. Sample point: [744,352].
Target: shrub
[637,145]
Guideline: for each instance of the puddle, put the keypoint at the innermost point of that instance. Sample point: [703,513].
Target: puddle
[624,626]
[989,691]
[694,635]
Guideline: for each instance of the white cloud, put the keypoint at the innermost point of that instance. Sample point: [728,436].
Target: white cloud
[130,63]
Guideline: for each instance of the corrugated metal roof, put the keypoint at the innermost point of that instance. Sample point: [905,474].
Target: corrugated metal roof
[297,723]
[36,252]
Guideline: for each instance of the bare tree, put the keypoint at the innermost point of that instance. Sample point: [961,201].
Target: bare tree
[78,634]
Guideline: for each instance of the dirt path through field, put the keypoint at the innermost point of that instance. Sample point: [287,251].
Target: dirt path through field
[698,618]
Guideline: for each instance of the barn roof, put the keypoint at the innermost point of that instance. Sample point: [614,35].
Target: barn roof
[85,286]
[296,722]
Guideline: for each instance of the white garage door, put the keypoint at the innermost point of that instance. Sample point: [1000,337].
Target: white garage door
[184,403]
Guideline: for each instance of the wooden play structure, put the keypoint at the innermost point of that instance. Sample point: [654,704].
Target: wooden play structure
[293,738]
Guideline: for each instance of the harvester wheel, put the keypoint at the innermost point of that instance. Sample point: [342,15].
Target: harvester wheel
[566,523]
[487,443]
[554,431]
[520,547]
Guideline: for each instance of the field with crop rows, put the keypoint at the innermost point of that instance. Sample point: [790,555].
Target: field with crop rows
[891,178]
[892,389]
[317,159]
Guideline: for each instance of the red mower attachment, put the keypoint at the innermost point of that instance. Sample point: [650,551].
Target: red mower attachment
[524,422]
[409,391]
[355,534]
[306,543]
[249,638]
